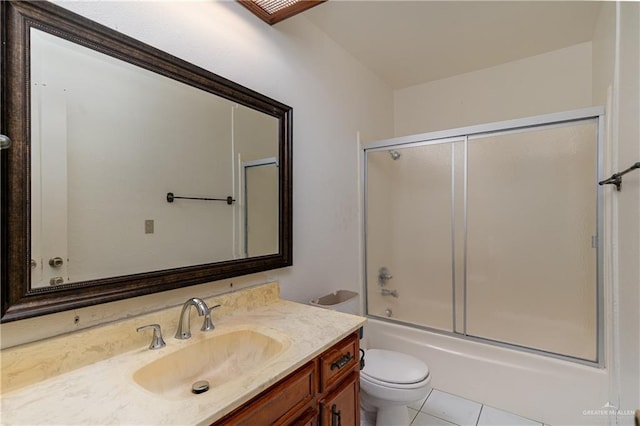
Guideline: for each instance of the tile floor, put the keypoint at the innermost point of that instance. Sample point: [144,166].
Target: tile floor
[443,409]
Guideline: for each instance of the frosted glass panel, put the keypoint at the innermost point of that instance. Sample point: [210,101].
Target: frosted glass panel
[531,267]
[409,210]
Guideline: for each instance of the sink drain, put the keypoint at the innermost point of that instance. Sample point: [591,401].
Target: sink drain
[200,386]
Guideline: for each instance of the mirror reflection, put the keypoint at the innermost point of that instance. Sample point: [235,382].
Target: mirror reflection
[109,140]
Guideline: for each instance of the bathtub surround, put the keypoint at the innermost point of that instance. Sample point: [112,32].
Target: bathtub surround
[480,266]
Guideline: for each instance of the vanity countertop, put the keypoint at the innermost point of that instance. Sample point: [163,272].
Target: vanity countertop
[105,392]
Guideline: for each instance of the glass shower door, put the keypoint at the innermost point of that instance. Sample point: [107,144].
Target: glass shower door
[531,255]
[490,235]
[409,234]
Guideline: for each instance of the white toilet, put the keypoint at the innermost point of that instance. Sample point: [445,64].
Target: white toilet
[389,382]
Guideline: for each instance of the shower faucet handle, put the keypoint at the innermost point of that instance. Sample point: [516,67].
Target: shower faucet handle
[384,275]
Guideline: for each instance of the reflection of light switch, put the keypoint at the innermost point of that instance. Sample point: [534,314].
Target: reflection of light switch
[148,226]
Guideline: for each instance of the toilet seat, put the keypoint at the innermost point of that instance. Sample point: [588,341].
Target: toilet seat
[393,369]
[397,386]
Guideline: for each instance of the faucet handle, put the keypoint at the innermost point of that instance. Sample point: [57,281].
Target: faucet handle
[384,275]
[207,325]
[157,341]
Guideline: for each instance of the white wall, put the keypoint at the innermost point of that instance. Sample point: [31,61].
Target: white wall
[333,97]
[627,204]
[551,82]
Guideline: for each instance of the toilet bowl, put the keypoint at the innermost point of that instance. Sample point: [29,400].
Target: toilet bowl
[389,382]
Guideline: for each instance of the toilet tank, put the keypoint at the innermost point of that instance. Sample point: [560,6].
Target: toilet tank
[342,300]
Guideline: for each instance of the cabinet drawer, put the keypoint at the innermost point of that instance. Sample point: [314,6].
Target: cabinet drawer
[281,404]
[338,361]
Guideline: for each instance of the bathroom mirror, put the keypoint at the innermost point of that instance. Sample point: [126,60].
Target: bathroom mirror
[131,171]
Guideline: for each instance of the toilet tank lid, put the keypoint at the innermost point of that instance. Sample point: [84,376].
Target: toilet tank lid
[394,367]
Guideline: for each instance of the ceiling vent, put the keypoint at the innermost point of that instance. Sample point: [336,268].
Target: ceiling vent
[273,11]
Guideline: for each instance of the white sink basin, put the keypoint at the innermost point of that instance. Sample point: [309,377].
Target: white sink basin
[218,359]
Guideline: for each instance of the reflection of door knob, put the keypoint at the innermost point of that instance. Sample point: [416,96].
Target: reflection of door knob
[34,263]
[56,262]
[56,281]
[5,142]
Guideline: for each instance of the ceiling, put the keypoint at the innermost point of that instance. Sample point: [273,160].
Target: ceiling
[412,42]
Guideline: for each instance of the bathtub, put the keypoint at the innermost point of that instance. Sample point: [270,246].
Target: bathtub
[551,390]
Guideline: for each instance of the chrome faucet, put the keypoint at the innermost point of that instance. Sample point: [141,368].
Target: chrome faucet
[184,323]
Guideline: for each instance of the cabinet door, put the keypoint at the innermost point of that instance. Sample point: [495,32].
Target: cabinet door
[342,406]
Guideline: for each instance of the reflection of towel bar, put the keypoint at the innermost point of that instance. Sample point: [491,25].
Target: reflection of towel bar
[171,197]
[616,178]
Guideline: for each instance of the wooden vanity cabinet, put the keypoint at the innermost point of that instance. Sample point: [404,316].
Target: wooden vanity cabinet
[323,392]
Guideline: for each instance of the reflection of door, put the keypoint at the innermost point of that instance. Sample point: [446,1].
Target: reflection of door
[260,201]
[48,196]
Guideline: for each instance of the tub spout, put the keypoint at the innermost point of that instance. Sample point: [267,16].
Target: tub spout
[386,292]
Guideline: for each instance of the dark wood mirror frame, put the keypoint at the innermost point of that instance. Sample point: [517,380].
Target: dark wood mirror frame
[19,301]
